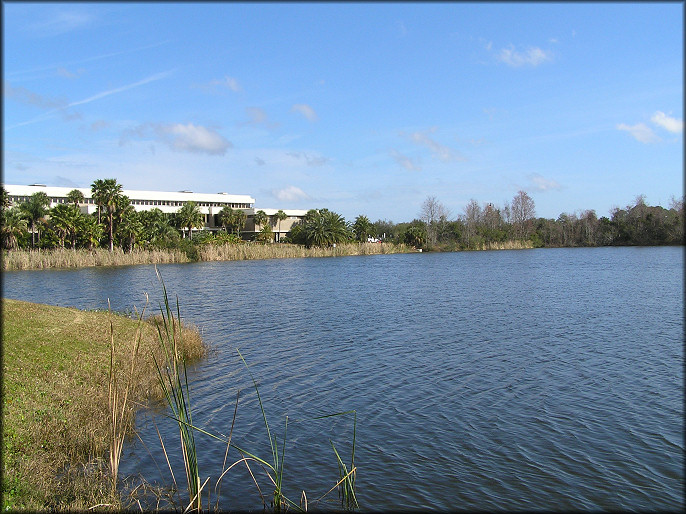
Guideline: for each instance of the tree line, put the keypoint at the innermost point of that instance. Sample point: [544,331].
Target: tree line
[637,224]
[33,224]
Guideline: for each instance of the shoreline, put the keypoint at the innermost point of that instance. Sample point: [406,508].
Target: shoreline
[56,415]
[19,260]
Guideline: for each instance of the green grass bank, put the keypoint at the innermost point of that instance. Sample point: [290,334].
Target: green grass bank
[56,418]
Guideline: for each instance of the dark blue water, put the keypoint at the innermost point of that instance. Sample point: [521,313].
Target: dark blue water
[536,379]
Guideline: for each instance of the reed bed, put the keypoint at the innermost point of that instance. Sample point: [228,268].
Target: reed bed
[248,251]
[506,245]
[65,258]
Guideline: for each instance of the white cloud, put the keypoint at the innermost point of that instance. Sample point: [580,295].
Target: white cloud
[543,184]
[192,138]
[184,138]
[306,111]
[533,56]
[439,151]
[290,194]
[640,131]
[405,161]
[673,125]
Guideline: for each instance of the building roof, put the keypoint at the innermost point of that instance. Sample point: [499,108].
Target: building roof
[175,196]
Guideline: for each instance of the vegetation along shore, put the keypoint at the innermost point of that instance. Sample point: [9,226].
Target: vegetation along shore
[57,405]
[38,236]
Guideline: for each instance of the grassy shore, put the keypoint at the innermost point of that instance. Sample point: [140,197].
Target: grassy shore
[64,258]
[56,420]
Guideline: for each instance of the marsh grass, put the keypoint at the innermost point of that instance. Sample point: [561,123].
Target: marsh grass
[248,251]
[506,245]
[65,258]
[56,412]
[80,258]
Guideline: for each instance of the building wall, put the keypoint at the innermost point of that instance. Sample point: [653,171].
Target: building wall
[209,204]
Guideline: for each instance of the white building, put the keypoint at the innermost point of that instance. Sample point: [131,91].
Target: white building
[169,202]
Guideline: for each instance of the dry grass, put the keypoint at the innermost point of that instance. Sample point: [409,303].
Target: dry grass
[507,245]
[56,420]
[232,252]
[64,258]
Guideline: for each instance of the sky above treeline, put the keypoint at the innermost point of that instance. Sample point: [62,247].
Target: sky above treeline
[362,108]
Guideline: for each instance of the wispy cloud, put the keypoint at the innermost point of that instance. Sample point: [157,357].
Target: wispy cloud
[258,117]
[532,56]
[673,125]
[641,132]
[184,138]
[65,73]
[222,84]
[60,23]
[61,106]
[103,94]
[228,82]
[541,183]
[405,161]
[441,152]
[290,194]
[40,71]
[28,97]
[306,111]
[310,160]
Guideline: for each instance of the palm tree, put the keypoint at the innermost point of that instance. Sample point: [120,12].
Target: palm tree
[260,218]
[233,219]
[129,228]
[157,227]
[90,231]
[33,210]
[239,218]
[64,221]
[362,228]
[13,227]
[280,215]
[225,216]
[4,199]
[76,197]
[106,193]
[324,227]
[190,217]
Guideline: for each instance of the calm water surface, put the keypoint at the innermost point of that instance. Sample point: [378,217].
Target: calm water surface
[540,379]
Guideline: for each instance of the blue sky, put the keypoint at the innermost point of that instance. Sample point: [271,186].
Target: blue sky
[361,108]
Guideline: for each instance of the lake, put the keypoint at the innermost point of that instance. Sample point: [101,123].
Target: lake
[531,379]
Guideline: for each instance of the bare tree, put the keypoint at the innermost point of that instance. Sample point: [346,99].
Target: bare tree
[472,217]
[433,212]
[523,212]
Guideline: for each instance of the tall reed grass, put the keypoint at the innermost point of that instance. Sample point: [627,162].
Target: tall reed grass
[247,251]
[173,380]
[118,399]
[506,245]
[65,258]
